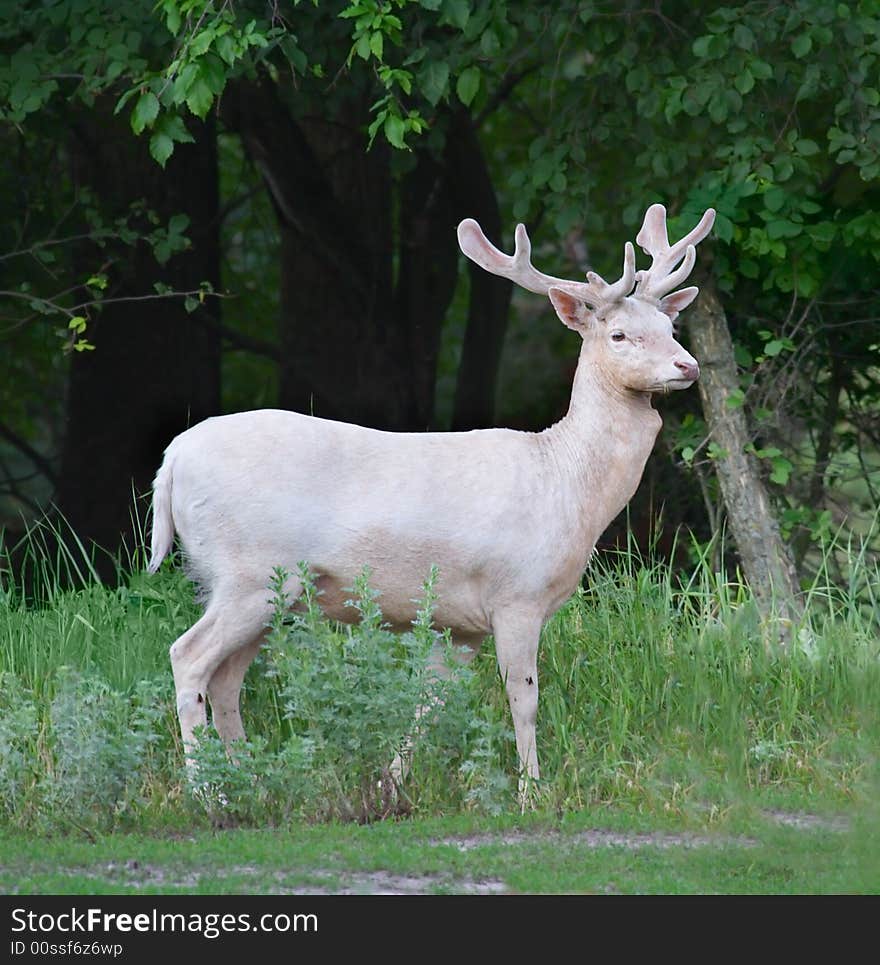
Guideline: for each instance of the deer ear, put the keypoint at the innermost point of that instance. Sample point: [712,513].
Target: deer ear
[571,310]
[672,304]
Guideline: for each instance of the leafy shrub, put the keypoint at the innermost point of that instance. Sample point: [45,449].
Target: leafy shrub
[99,742]
[356,697]
[254,784]
[18,748]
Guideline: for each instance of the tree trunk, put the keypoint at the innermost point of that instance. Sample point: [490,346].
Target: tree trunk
[332,200]
[369,265]
[155,369]
[765,558]
[489,303]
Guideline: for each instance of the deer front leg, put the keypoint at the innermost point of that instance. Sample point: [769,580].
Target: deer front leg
[516,646]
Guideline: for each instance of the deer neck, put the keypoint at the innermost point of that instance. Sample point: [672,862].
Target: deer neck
[601,445]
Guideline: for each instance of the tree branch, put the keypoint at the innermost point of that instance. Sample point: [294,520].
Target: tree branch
[239,340]
[43,464]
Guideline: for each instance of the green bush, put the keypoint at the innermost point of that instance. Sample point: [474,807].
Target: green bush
[657,689]
[355,698]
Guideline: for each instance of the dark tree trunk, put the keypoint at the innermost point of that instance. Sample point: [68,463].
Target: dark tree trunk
[489,302]
[155,369]
[766,559]
[816,491]
[332,199]
[369,267]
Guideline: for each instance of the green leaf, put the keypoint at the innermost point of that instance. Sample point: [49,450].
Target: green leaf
[806,147]
[200,97]
[822,234]
[161,147]
[700,46]
[373,129]
[745,81]
[376,44]
[467,85]
[802,45]
[783,168]
[227,48]
[145,112]
[178,223]
[124,99]
[169,130]
[783,229]
[742,355]
[183,82]
[456,12]
[395,129]
[718,108]
[201,42]
[434,80]
[735,400]
[748,268]
[362,47]
[774,198]
[212,73]
[773,347]
[767,452]
[781,470]
[172,18]
[114,70]
[356,10]
[723,229]
[743,37]
[489,44]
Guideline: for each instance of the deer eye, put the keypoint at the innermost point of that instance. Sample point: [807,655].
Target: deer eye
[617,336]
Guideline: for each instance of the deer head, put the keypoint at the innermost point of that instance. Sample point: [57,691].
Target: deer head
[627,325]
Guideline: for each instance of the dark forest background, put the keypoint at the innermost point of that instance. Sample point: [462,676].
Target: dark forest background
[216,206]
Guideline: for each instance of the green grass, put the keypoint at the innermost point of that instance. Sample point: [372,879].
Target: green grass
[598,851]
[664,711]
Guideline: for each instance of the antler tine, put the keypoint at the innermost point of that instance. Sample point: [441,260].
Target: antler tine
[623,286]
[518,267]
[660,279]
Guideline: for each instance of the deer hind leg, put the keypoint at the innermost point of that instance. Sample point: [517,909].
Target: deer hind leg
[232,627]
[224,691]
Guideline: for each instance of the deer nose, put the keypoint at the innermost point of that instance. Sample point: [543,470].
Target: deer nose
[689,370]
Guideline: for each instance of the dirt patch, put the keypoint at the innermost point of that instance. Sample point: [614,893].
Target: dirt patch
[134,874]
[631,841]
[803,821]
[384,883]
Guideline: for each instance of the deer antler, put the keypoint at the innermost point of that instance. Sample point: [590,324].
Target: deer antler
[660,279]
[518,267]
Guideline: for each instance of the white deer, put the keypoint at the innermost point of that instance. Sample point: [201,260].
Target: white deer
[510,518]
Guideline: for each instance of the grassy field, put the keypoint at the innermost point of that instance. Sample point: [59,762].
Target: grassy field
[681,752]
[597,851]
